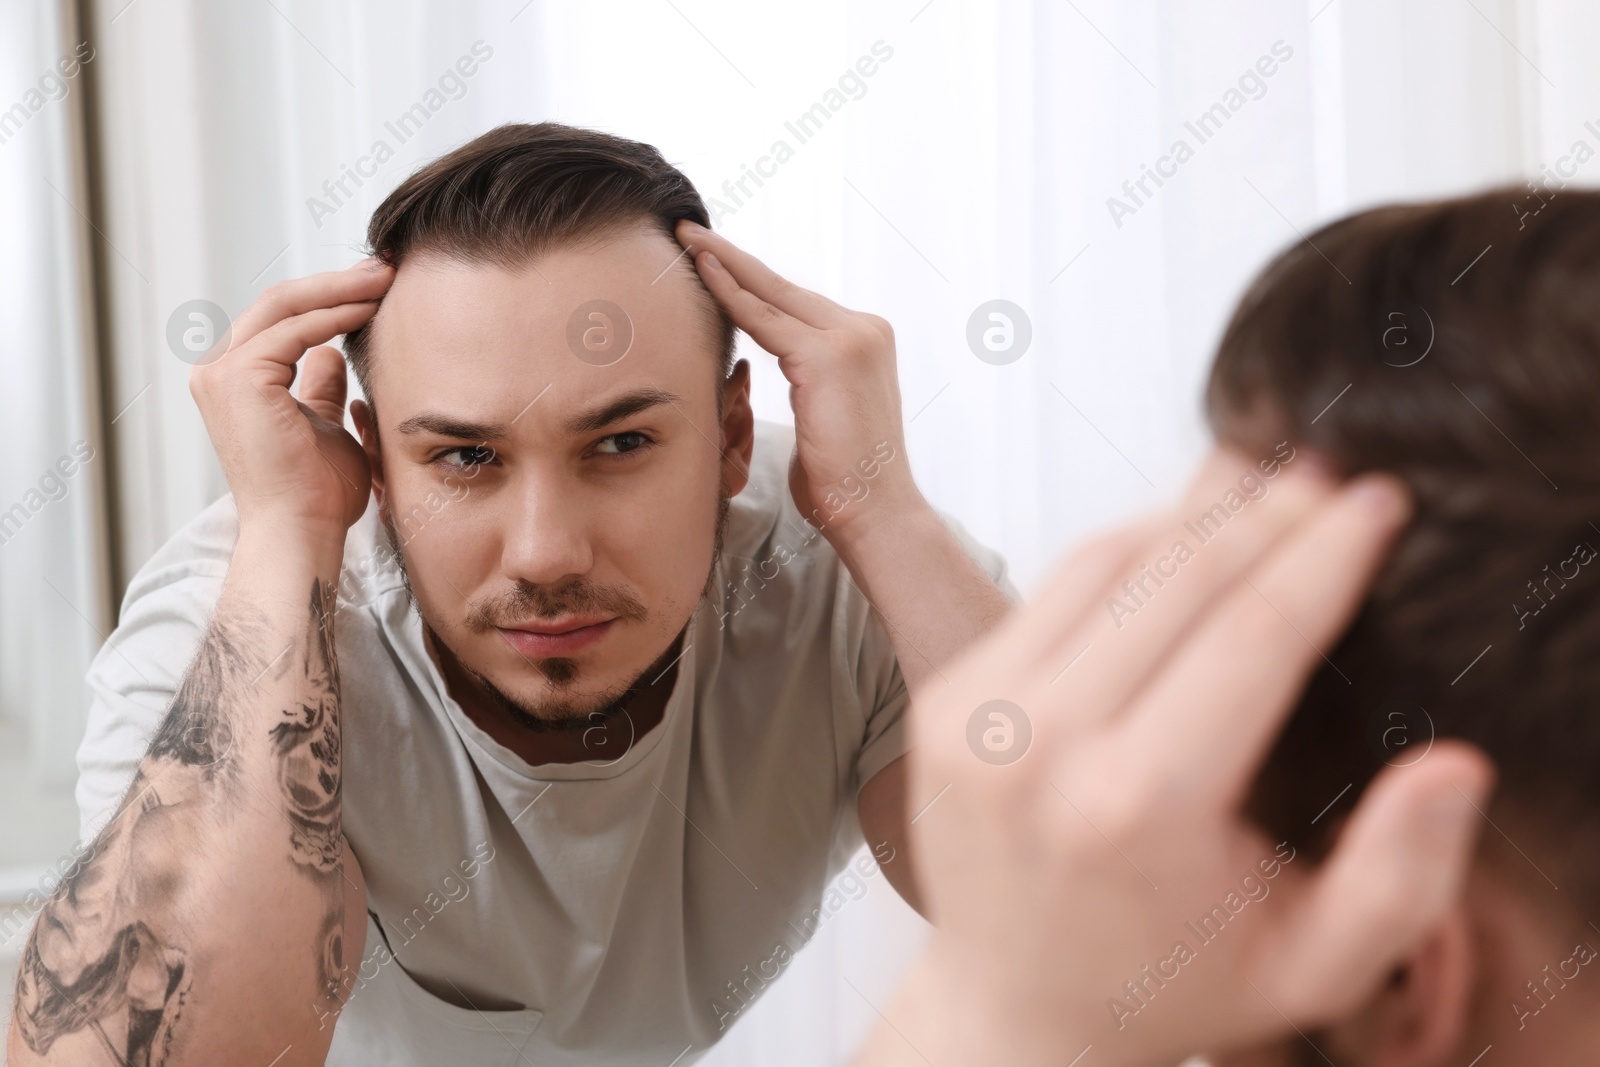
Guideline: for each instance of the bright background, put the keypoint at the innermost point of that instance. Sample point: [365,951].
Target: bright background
[976,164]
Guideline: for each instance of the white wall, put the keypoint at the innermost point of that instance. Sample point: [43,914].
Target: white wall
[977,165]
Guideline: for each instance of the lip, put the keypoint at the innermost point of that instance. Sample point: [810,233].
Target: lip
[564,638]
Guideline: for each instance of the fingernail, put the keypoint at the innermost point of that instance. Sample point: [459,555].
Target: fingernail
[1384,497]
[715,263]
[1449,813]
[693,225]
[1314,464]
[370,263]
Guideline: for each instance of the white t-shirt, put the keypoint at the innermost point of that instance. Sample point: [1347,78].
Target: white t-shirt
[610,912]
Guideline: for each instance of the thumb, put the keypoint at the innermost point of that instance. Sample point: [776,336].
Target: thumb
[1400,863]
[323,384]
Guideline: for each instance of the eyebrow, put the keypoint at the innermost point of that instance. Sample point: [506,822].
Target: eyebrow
[584,422]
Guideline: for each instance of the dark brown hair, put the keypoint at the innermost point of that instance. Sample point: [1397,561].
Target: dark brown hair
[1455,344]
[522,190]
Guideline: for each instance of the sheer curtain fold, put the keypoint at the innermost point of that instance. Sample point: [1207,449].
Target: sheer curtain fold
[54,602]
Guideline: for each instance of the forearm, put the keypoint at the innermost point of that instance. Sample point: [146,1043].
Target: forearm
[934,599]
[208,923]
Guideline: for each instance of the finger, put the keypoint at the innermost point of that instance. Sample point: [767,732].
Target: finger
[270,356]
[365,281]
[770,327]
[756,277]
[1074,590]
[1209,717]
[1400,863]
[324,383]
[1148,539]
[1068,642]
[1144,611]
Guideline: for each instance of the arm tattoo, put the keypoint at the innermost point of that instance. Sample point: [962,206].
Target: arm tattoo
[109,960]
[306,742]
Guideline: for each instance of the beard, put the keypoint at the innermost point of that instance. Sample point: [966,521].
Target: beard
[559,713]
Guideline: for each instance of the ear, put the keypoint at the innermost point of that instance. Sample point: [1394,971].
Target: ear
[1420,1017]
[738,429]
[366,420]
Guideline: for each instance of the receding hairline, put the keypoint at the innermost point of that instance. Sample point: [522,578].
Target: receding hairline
[587,241]
[520,191]
[523,253]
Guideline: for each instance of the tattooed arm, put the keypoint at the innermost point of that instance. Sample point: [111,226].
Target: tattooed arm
[221,915]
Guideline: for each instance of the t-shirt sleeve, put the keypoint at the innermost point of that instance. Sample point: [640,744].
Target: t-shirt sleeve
[133,678]
[883,687]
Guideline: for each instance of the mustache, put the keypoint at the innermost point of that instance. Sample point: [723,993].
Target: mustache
[529,601]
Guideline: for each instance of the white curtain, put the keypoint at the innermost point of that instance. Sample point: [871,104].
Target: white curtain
[54,603]
[976,162]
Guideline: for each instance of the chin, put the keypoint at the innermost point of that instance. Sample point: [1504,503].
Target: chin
[557,678]
[542,702]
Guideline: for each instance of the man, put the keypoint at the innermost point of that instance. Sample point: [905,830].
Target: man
[563,778]
[1158,876]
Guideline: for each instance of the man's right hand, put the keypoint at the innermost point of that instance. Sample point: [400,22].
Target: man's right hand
[290,463]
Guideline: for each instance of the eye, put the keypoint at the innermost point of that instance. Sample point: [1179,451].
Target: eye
[623,443]
[468,457]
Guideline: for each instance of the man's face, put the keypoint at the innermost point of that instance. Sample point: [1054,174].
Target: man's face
[556,517]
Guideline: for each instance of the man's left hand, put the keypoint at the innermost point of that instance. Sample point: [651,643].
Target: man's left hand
[849,471]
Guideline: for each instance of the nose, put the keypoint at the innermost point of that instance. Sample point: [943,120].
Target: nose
[548,539]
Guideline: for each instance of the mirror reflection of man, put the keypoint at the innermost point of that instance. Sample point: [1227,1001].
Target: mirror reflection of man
[550,753]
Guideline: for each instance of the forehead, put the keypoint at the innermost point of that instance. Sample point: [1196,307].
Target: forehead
[481,340]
